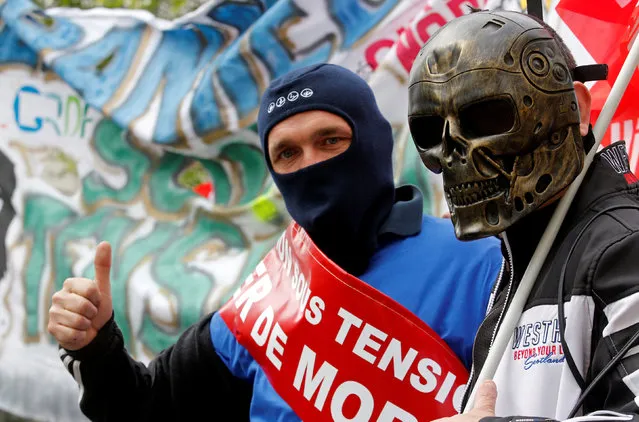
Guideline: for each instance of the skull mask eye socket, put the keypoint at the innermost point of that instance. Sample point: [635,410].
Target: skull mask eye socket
[485,118]
[426,131]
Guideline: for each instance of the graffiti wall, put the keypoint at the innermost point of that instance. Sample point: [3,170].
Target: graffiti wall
[71,178]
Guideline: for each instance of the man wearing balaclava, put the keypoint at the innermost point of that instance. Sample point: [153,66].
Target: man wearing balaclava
[362,296]
[497,107]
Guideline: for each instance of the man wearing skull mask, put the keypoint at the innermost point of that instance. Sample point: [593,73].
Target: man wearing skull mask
[496,106]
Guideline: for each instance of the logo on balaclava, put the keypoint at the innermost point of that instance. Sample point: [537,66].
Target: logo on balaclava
[292,96]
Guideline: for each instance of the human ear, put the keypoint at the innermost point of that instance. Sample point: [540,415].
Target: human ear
[585,101]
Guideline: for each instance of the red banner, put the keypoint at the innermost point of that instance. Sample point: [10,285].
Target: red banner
[606,29]
[334,348]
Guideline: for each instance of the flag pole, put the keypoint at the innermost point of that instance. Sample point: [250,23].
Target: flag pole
[521,295]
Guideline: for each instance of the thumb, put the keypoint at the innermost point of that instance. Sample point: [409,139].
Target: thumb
[486,397]
[102,265]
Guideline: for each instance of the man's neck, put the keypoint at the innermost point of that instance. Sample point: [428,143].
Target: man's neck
[524,236]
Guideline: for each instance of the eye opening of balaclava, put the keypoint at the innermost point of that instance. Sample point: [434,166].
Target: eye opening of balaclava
[341,202]
[492,64]
[300,109]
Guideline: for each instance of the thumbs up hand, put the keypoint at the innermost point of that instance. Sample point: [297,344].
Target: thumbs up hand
[83,306]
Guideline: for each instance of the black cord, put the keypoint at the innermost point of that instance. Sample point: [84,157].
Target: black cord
[562,323]
[615,360]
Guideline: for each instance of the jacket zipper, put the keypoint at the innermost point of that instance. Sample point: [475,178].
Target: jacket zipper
[492,302]
[510,286]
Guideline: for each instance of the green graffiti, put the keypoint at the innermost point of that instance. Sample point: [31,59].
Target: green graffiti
[171,178]
[56,231]
[113,146]
[193,175]
[170,194]
[191,286]
[84,227]
[73,101]
[254,171]
[85,120]
[220,181]
[57,98]
[167,246]
[42,216]
[167,194]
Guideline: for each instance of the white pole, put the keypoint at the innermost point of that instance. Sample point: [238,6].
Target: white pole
[521,295]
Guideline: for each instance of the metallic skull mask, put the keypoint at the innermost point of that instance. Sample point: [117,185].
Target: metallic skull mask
[492,106]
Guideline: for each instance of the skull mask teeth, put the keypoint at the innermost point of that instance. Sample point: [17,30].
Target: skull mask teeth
[470,193]
[492,107]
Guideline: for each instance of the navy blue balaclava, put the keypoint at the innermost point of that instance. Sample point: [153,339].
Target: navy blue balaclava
[341,202]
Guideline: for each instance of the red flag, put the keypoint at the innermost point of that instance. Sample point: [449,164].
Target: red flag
[606,28]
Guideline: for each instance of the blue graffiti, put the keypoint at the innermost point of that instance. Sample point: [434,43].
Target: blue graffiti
[70,108]
[273,52]
[16,110]
[358,17]
[13,50]
[221,72]
[198,46]
[37,29]
[240,16]
[97,70]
